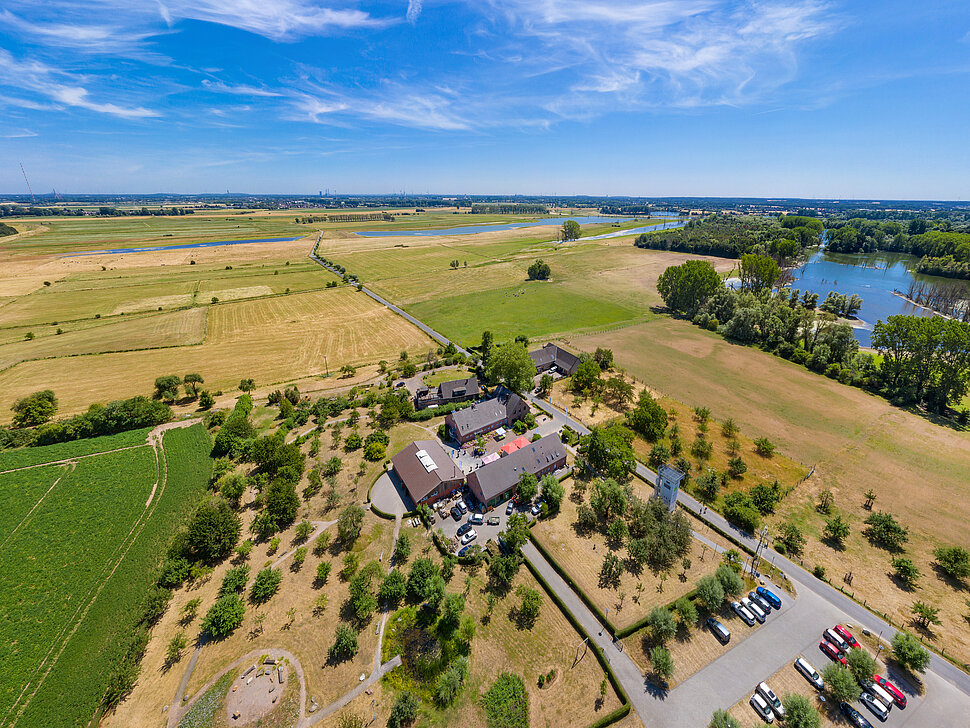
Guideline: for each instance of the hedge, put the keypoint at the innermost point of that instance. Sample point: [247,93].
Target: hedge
[430,413]
[641,623]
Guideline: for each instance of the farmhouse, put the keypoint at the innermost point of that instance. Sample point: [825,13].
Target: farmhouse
[467,424]
[457,390]
[550,356]
[426,471]
[494,483]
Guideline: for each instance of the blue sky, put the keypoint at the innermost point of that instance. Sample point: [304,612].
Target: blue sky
[667,97]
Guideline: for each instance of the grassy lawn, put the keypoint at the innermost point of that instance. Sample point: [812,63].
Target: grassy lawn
[533,309]
[437,377]
[856,442]
[582,556]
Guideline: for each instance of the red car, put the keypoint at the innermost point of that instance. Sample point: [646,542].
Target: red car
[898,696]
[847,636]
[832,651]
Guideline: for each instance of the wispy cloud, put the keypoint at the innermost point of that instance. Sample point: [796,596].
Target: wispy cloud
[414,11]
[238,89]
[17,134]
[62,88]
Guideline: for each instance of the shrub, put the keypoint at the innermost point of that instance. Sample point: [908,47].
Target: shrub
[862,665]
[662,624]
[449,682]
[764,447]
[954,561]
[730,581]
[303,530]
[506,703]
[905,570]
[224,616]
[800,712]
[265,585]
[740,511]
[791,535]
[710,593]
[765,497]
[840,684]
[819,571]
[234,582]
[344,644]
[836,530]
[883,530]
[723,719]
[737,467]
[663,663]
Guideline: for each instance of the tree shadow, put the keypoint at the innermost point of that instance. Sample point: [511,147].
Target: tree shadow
[925,630]
[900,583]
[953,583]
[658,690]
[834,544]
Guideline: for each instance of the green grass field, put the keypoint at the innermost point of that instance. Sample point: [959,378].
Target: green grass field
[78,567]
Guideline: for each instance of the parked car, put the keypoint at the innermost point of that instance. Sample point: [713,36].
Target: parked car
[462,506]
[762,708]
[536,508]
[847,636]
[463,550]
[769,695]
[895,692]
[770,596]
[832,651]
[854,716]
[464,528]
[754,609]
[874,705]
[720,631]
[494,520]
[476,519]
[743,613]
[760,601]
[833,637]
[810,673]
[509,508]
[878,692]
[469,537]
[456,513]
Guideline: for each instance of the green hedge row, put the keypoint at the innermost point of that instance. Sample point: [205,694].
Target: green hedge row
[574,586]
[641,623]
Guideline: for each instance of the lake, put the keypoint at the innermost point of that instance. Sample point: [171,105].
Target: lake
[487,228]
[211,244]
[873,276]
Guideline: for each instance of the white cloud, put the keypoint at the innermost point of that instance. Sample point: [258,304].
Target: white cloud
[400,105]
[238,89]
[63,88]
[414,11]
[17,134]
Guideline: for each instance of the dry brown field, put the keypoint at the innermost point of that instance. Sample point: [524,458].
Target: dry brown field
[582,557]
[271,340]
[855,440]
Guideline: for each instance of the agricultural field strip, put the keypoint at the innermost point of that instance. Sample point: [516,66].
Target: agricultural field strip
[70,466]
[98,585]
[71,460]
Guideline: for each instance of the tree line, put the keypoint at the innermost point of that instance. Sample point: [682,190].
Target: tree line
[925,361]
[509,208]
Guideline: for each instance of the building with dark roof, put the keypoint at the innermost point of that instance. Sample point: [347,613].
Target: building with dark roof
[427,472]
[494,483]
[550,356]
[457,390]
[467,424]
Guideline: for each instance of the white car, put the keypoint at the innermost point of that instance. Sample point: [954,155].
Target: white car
[743,613]
[762,708]
[536,508]
[757,611]
[875,705]
[469,537]
[769,695]
[810,673]
[832,636]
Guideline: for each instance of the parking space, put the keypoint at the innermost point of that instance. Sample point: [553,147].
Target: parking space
[486,531]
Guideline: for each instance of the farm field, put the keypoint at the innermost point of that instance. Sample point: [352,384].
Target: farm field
[856,442]
[99,567]
[271,339]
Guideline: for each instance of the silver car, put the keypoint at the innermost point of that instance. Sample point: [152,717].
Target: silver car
[743,613]
[769,695]
[810,673]
[874,705]
[754,609]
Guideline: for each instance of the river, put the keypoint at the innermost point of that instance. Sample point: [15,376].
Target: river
[493,227]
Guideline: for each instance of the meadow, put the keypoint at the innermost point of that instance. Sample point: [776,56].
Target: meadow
[79,566]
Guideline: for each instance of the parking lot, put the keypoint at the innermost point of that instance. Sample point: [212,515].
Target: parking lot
[485,532]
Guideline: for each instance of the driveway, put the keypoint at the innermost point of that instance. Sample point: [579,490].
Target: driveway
[388,495]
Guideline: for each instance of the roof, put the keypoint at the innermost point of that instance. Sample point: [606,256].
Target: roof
[516,444]
[552,354]
[497,477]
[488,414]
[423,466]
[458,387]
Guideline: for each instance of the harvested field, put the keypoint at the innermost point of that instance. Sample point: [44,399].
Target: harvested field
[271,340]
[175,328]
[582,557]
[856,441]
